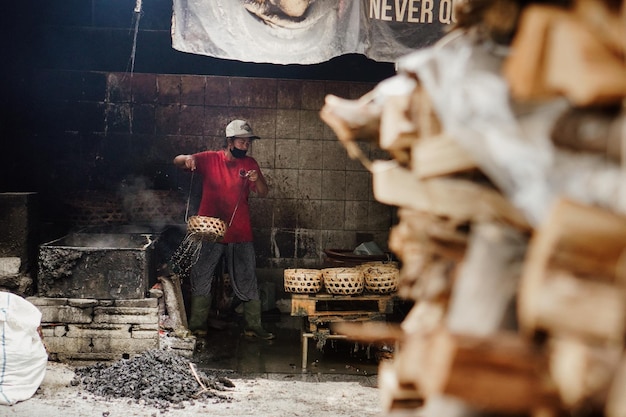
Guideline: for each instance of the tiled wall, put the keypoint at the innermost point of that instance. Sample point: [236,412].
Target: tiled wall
[105,131]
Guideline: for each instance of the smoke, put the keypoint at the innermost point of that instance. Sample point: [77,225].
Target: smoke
[146,206]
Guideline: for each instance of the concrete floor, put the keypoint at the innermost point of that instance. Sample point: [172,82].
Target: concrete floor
[339,360]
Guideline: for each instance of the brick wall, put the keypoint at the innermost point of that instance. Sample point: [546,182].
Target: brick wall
[118,134]
[74,120]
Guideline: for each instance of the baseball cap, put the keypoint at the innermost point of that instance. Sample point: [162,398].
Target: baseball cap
[240,129]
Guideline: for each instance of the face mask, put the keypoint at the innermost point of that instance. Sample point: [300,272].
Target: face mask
[238,153]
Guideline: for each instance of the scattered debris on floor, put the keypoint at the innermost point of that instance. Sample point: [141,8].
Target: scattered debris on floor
[158,378]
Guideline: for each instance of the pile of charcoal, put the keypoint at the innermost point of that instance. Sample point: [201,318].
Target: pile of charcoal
[157,378]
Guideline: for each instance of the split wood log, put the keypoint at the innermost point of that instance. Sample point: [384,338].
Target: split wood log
[592,311]
[439,155]
[352,119]
[460,200]
[502,372]
[524,67]
[607,20]
[583,373]
[426,274]
[554,53]
[407,118]
[369,332]
[394,395]
[586,244]
[397,380]
[616,400]
[424,317]
[397,131]
[581,67]
[446,236]
[485,288]
[174,304]
[434,283]
[596,130]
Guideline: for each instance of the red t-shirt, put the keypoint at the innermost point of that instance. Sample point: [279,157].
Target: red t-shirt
[222,187]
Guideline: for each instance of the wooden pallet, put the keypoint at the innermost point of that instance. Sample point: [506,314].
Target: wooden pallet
[318,310]
[328,305]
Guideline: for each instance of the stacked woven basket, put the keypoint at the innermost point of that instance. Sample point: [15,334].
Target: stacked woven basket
[375,277]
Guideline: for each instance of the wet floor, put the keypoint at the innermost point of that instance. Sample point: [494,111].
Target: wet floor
[228,349]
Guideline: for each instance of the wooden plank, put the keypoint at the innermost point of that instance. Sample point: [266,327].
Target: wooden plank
[587,242]
[485,288]
[301,307]
[524,67]
[591,311]
[370,332]
[580,67]
[396,396]
[593,130]
[461,200]
[333,316]
[439,155]
[501,372]
[174,304]
[321,304]
[608,24]
[583,372]
[616,400]
[397,131]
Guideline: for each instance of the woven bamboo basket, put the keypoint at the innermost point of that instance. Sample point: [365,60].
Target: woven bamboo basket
[303,281]
[343,281]
[366,265]
[381,279]
[206,228]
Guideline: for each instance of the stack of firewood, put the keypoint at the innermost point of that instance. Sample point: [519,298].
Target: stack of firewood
[506,142]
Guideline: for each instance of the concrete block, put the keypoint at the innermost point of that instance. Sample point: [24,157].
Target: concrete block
[58,331]
[95,330]
[10,265]
[49,330]
[97,265]
[125,346]
[44,301]
[118,347]
[83,302]
[139,303]
[84,359]
[65,314]
[145,327]
[128,315]
[19,284]
[173,342]
[144,334]
[55,344]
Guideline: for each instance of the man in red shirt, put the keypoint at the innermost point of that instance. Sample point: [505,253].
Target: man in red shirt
[228,177]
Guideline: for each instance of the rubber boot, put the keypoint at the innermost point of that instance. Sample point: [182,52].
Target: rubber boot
[199,314]
[252,318]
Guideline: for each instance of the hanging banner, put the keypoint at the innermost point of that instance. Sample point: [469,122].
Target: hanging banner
[307,31]
[393,28]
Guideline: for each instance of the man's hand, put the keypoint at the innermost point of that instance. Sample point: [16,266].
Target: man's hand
[190,163]
[252,175]
[185,162]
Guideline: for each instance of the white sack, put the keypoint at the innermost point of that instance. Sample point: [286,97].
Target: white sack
[23,356]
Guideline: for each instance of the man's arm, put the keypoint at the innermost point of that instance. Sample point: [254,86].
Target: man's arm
[187,162]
